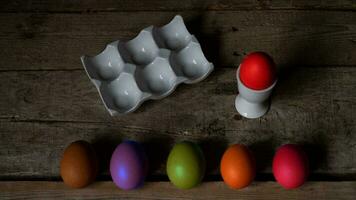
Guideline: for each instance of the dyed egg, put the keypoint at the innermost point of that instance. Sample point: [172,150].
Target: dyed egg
[79,164]
[237,166]
[257,71]
[186,165]
[290,166]
[128,165]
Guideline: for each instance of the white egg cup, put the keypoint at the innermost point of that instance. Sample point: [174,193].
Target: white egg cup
[150,66]
[252,103]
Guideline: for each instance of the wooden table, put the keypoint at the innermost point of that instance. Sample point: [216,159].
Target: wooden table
[48,101]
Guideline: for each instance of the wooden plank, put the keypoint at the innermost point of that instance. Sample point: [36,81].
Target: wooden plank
[56,41]
[44,111]
[164,190]
[171,5]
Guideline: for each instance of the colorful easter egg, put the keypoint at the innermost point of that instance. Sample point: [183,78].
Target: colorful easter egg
[186,165]
[128,165]
[79,164]
[290,166]
[237,166]
[257,71]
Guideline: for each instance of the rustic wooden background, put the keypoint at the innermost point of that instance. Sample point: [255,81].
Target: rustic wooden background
[48,102]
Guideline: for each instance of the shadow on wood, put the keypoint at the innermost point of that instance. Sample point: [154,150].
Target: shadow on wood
[316,151]
[157,151]
[213,149]
[210,42]
[104,147]
[263,152]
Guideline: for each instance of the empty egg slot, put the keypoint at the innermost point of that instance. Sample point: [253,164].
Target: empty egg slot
[191,62]
[143,49]
[157,77]
[174,35]
[105,66]
[121,94]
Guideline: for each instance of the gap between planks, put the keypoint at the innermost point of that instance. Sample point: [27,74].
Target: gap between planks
[57,6]
[304,38]
[165,190]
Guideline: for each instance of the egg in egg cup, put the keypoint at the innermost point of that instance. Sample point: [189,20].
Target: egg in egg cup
[252,103]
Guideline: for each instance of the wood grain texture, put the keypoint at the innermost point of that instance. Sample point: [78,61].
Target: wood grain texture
[47,101]
[171,5]
[48,41]
[164,190]
[44,111]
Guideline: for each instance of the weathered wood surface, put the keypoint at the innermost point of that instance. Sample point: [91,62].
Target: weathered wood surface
[48,102]
[171,5]
[43,111]
[56,41]
[164,190]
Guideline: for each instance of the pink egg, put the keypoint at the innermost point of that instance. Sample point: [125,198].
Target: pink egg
[290,166]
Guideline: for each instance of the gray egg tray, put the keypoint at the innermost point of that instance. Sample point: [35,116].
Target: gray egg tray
[150,66]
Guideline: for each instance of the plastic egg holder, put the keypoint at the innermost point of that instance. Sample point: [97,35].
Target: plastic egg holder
[150,66]
[252,103]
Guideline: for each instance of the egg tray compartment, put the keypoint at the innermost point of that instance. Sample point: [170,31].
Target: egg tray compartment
[150,66]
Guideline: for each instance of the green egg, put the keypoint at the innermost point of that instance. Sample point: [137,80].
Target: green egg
[186,165]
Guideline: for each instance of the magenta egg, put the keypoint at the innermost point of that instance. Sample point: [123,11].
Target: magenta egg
[128,165]
[290,166]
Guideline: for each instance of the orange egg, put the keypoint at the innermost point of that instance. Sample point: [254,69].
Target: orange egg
[238,166]
[79,164]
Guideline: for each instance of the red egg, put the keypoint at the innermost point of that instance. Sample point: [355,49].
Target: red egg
[257,71]
[290,166]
